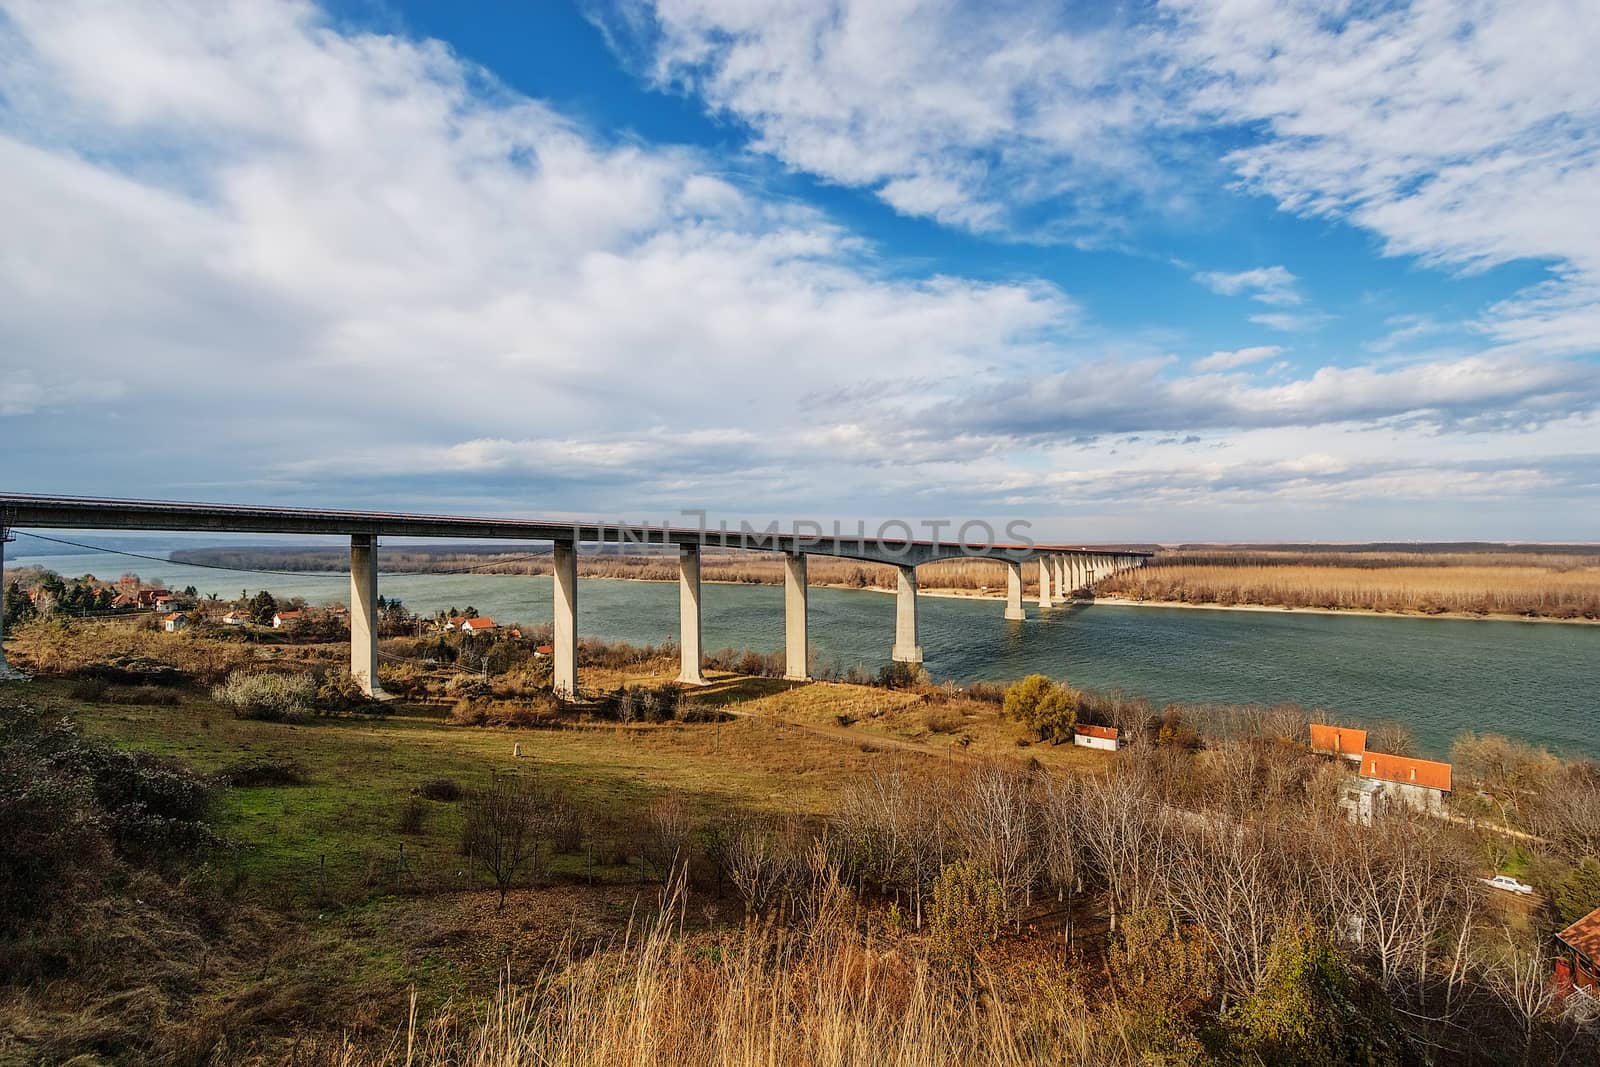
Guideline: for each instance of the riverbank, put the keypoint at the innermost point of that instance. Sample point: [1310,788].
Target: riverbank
[1284,609]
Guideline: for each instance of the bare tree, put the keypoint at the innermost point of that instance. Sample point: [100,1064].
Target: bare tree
[504,828]
[1395,889]
[1518,970]
[1126,834]
[766,859]
[1235,880]
[1065,849]
[996,819]
[665,834]
[1567,810]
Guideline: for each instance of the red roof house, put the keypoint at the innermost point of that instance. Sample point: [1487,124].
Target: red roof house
[1338,741]
[1405,770]
[1581,941]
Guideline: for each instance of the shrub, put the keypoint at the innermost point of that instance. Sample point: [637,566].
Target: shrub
[90,690]
[257,771]
[968,907]
[899,675]
[268,697]
[412,814]
[338,691]
[1040,703]
[441,789]
[71,807]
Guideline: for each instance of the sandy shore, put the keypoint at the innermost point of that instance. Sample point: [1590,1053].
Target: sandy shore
[1125,602]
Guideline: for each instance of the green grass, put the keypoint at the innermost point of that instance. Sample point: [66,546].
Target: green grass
[338,836]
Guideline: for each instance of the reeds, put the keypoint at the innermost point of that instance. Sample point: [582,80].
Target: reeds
[1556,587]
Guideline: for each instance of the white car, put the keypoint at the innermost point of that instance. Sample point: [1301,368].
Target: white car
[1509,884]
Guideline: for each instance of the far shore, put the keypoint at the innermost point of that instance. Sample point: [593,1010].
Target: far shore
[1127,602]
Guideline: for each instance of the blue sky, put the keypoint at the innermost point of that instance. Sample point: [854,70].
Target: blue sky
[1176,271]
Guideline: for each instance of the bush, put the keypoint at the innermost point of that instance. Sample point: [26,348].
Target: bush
[412,814]
[899,675]
[71,808]
[1040,703]
[268,697]
[89,690]
[968,907]
[440,789]
[258,771]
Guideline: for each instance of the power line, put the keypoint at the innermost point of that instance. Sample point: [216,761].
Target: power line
[180,563]
[341,575]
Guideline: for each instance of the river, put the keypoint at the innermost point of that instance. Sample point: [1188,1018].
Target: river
[1534,681]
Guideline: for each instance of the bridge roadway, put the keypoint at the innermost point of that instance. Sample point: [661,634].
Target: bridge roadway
[1062,569]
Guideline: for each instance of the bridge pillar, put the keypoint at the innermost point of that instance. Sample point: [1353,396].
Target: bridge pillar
[5,671]
[689,615]
[1045,599]
[1075,573]
[1014,591]
[906,649]
[1059,571]
[564,626]
[364,613]
[795,594]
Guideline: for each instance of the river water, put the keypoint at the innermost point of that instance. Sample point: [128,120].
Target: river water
[1534,681]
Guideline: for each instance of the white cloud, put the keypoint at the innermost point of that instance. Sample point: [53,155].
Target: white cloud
[1241,357]
[1291,321]
[951,111]
[1269,285]
[351,268]
[1464,134]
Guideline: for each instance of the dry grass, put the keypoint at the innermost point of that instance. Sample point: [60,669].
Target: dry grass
[832,998]
[1523,584]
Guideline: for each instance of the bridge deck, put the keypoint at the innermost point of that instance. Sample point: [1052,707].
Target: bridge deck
[83,513]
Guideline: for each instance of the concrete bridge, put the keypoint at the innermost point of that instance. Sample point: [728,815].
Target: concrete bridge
[1063,570]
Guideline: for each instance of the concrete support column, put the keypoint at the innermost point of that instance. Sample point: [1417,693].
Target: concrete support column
[689,615]
[1014,592]
[1045,600]
[364,613]
[795,593]
[1076,563]
[1063,584]
[564,597]
[5,671]
[906,649]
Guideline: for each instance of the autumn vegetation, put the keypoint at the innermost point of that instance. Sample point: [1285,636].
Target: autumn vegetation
[754,872]
[1554,583]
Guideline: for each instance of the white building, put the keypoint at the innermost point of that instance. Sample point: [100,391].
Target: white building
[1102,737]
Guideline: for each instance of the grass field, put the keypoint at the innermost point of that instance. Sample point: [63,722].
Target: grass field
[343,912]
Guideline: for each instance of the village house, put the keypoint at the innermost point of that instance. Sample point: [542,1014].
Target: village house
[163,602]
[1338,741]
[1381,778]
[1579,961]
[285,618]
[174,622]
[470,626]
[1421,784]
[1102,737]
[236,618]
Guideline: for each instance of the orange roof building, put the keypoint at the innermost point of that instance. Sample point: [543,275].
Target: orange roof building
[1405,770]
[1343,741]
[1582,940]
